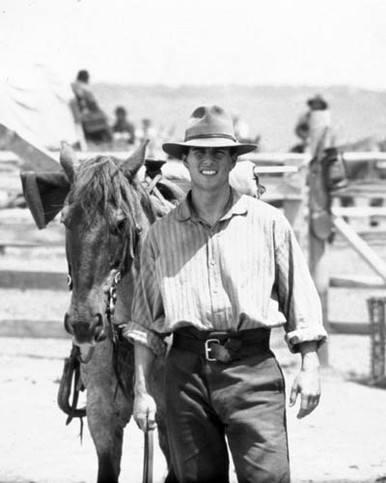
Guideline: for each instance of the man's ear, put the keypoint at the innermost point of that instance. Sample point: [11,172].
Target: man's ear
[234,161]
[184,158]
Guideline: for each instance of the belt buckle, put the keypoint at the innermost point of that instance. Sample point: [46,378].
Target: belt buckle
[208,349]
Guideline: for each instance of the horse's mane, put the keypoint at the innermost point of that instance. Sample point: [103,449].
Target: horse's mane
[100,183]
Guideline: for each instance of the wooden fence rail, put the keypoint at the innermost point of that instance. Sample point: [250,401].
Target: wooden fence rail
[284,175]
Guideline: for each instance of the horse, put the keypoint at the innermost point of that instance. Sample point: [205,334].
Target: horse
[106,215]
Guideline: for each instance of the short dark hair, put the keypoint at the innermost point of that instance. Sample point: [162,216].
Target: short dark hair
[232,150]
[120,110]
[83,76]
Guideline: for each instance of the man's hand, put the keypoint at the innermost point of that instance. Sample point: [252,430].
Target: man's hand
[144,411]
[307,383]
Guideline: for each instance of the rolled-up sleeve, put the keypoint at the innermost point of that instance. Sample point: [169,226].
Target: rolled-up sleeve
[147,307]
[297,295]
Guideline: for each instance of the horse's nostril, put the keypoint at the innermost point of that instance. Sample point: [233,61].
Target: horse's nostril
[100,335]
[86,329]
[97,323]
[67,325]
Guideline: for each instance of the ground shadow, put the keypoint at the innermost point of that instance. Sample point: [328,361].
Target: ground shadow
[379,383]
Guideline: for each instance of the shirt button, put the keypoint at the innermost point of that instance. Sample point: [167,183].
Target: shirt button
[213,263]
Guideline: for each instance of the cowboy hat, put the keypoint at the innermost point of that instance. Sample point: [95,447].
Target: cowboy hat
[208,127]
[317,103]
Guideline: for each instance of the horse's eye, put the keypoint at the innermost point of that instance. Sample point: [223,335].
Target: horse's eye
[65,216]
[119,227]
[64,219]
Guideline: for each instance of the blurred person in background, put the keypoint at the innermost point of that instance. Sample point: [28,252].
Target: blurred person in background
[123,129]
[93,119]
[148,131]
[313,125]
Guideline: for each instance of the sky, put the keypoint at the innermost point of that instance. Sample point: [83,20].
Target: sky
[174,42]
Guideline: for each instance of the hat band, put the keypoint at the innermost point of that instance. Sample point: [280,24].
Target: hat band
[204,136]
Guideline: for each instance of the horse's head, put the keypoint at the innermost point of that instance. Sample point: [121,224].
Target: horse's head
[105,213]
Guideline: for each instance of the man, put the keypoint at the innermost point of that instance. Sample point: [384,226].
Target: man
[123,129]
[83,92]
[208,271]
[93,119]
[314,125]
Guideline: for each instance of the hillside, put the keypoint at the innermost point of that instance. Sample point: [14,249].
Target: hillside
[270,111]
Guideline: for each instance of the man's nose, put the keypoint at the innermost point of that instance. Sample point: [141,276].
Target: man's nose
[208,155]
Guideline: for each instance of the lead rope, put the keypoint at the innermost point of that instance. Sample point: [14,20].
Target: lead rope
[71,379]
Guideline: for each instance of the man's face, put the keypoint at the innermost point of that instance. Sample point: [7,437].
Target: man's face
[209,168]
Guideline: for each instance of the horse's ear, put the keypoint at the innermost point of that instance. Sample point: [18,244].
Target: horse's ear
[68,160]
[132,165]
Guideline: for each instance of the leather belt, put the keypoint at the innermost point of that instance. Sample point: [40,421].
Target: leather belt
[226,346]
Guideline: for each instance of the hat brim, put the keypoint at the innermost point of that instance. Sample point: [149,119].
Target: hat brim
[176,150]
[319,103]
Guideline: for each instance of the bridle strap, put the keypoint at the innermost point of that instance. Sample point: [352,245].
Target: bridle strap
[110,305]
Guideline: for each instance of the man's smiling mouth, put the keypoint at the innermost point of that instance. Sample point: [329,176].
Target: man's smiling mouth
[208,172]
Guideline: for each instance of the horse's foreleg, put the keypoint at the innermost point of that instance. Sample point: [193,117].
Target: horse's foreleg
[106,428]
[107,412]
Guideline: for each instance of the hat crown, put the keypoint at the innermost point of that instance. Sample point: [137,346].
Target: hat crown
[209,122]
[208,127]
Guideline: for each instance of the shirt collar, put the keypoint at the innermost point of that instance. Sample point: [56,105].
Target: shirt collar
[238,206]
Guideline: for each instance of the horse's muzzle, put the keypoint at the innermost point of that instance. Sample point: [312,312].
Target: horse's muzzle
[85,332]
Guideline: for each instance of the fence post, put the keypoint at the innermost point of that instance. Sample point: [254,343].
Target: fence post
[376,306]
[320,220]
[296,207]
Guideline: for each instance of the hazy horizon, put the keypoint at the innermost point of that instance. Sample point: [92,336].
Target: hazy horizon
[271,112]
[252,42]
[315,87]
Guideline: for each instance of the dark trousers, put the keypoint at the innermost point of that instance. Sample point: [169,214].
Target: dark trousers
[243,403]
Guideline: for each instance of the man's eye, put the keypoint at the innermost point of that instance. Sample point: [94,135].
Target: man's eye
[219,154]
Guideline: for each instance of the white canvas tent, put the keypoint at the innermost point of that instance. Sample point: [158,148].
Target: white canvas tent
[35,102]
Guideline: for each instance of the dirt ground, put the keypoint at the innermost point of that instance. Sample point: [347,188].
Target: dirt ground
[344,440]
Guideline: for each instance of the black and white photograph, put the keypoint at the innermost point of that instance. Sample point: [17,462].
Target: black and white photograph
[192,241]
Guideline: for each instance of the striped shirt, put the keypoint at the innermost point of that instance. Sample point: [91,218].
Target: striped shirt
[224,277]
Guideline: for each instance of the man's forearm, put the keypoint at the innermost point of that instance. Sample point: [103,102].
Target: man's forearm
[144,360]
[309,353]
[307,383]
